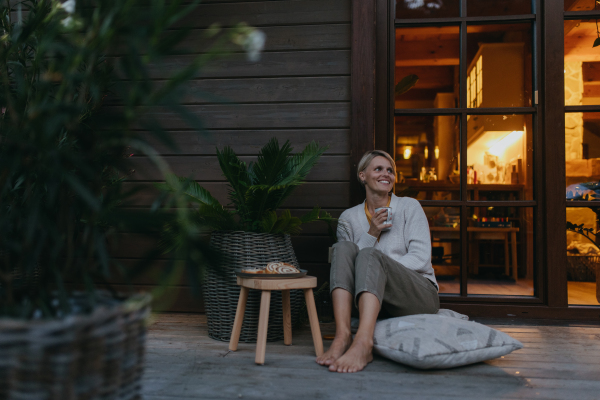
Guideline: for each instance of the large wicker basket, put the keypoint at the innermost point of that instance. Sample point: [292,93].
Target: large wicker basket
[221,293]
[94,356]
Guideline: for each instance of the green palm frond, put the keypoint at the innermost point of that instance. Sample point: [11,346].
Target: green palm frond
[256,191]
[236,173]
[216,217]
[277,174]
[271,164]
[285,223]
[191,189]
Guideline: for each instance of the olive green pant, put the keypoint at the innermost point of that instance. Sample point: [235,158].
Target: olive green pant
[401,291]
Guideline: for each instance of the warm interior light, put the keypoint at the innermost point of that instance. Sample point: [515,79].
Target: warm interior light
[436,152]
[498,148]
[407,152]
[426,152]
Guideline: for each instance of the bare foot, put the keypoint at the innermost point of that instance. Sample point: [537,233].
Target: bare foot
[336,350]
[355,359]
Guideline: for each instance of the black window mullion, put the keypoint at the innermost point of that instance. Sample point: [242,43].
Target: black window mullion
[582,14]
[472,111]
[458,20]
[590,108]
[463,153]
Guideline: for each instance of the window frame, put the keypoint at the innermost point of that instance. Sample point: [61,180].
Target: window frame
[372,99]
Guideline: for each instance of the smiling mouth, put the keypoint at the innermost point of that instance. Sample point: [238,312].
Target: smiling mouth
[386,182]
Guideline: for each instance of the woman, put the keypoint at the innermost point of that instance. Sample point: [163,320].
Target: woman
[378,266]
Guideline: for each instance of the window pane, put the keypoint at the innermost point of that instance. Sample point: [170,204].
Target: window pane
[444,225]
[479,8]
[578,5]
[582,63]
[583,256]
[582,156]
[499,65]
[432,54]
[426,155]
[499,157]
[427,8]
[500,251]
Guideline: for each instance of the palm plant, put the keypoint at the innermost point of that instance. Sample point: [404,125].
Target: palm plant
[256,191]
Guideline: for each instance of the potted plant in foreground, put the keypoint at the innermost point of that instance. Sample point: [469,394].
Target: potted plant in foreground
[63,160]
[252,231]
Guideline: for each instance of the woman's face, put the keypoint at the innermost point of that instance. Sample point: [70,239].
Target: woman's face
[378,176]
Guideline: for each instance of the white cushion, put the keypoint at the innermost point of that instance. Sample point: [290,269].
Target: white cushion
[427,341]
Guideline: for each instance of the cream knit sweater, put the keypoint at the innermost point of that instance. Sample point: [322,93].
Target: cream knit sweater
[408,240]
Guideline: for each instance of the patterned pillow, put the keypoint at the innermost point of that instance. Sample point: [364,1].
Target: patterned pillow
[429,341]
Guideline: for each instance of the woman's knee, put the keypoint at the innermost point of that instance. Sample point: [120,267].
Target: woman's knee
[367,254]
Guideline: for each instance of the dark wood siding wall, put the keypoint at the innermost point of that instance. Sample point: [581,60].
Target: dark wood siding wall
[299,90]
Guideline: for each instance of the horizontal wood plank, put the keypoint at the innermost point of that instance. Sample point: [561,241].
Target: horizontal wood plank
[326,195]
[262,13]
[248,141]
[263,90]
[207,168]
[308,249]
[155,273]
[254,116]
[291,63]
[283,38]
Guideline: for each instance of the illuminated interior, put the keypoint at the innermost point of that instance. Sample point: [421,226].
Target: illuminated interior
[499,150]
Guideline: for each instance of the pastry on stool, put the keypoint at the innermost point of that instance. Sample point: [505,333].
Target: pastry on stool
[253,270]
[281,268]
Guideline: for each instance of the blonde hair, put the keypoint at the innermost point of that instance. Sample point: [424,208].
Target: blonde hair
[368,157]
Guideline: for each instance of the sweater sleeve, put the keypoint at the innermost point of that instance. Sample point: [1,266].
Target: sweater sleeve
[349,230]
[417,239]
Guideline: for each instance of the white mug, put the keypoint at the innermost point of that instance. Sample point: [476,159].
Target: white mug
[389,216]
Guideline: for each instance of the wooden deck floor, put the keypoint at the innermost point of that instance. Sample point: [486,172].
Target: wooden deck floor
[559,361]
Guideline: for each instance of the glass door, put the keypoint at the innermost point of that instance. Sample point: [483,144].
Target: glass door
[464,140]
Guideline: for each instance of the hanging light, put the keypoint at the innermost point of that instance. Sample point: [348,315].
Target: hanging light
[436,151]
[407,152]
[426,152]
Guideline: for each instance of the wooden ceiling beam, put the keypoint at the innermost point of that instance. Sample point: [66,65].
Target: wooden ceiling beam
[427,53]
[579,5]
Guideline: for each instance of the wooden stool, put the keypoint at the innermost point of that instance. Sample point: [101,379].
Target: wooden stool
[266,285]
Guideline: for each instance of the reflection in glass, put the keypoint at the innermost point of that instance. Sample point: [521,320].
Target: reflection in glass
[582,156]
[500,251]
[426,154]
[582,63]
[480,8]
[444,225]
[410,9]
[499,65]
[433,54]
[583,256]
[499,157]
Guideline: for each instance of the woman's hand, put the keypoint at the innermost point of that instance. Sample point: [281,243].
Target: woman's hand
[378,222]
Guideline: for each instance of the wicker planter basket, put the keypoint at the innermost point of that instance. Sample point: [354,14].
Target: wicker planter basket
[221,293]
[582,268]
[85,356]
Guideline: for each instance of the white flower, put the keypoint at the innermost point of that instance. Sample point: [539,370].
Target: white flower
[68,6]
[254,43]
[67,21]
